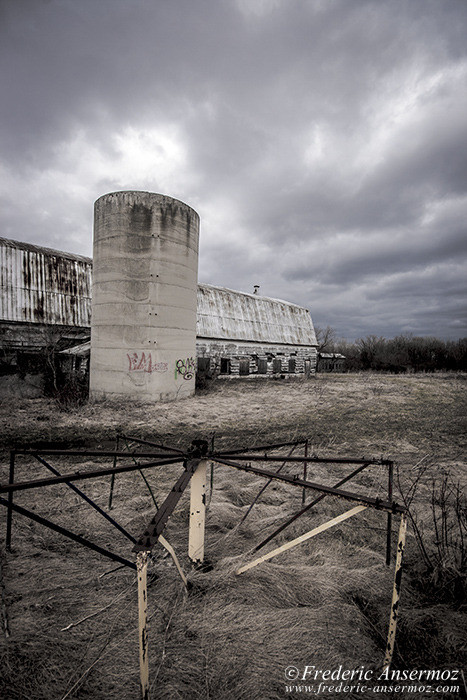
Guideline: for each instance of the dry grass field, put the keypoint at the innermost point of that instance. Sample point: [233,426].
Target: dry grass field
[72,616]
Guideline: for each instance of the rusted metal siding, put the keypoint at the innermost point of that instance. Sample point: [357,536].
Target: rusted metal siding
[40,285]
[227,314]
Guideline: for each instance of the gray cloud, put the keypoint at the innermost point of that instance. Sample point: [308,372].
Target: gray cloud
[322,143]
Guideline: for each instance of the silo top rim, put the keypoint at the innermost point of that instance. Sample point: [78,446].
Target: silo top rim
[142,193]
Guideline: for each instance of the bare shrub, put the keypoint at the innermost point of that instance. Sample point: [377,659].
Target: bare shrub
[441,571]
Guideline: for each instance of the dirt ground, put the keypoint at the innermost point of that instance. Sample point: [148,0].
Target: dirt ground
[69,617]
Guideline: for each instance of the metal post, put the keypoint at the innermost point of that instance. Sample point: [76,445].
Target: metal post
[304,470]
[142,568]
[197,513]
[112,480]
[9,520]
[396,593]
[389,527]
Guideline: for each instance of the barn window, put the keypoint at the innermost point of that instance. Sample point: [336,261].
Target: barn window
[277,365]
[292,364]
[225,365]
[244,366]
[262,366]
[204,364]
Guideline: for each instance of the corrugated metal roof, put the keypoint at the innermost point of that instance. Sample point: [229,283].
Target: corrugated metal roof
[41,285]
[231,315]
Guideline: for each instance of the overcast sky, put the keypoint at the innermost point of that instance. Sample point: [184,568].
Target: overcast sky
[322,142]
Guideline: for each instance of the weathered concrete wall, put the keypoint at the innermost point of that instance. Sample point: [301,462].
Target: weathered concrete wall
[143,334]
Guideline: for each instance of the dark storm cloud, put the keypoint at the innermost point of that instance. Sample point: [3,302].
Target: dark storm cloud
[321,142]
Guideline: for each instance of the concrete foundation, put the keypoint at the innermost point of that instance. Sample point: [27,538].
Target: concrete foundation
[145,269]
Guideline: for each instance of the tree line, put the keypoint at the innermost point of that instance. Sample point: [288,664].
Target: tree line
[404,353]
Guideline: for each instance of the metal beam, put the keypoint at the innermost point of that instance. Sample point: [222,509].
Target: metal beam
[302,538]
[88,500]
[317,460]
[267,448]
[140,441]
[296,481]
[78,475]
[308,507]
[67,533]
[88,453]
[156,526]
[263,488]
[9,518]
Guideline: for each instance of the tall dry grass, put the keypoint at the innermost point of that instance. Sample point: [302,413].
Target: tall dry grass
[324,603]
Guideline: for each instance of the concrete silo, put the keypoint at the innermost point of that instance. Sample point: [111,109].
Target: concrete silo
[145,269]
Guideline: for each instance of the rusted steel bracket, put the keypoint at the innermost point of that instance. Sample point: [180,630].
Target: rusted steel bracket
[156,526]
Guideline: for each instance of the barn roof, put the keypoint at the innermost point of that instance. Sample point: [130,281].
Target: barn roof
[42,285]
[227,314]
[41,250]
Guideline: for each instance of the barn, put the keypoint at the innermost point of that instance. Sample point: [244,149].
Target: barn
[45,302]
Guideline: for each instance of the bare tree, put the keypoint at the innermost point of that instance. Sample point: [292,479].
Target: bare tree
[326,338]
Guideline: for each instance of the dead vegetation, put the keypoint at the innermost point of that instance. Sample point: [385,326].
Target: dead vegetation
[73,618]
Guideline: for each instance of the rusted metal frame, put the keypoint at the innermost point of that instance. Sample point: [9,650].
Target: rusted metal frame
[295,481]
[77,476]
[67,533]
[112,479]
[314,460]
[263,489]
[305,463]
[396,593]
[389,525]
[89,453]
[88,500]
[309,506]
[242,450]
[148,485]
[149,442]
[303,538]
[9,517]
[156,526]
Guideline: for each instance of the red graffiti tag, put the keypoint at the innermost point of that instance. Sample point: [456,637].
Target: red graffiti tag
[144,363]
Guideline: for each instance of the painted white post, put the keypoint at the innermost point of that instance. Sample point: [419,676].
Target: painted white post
[396,593]
[197,513]
[142,568]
